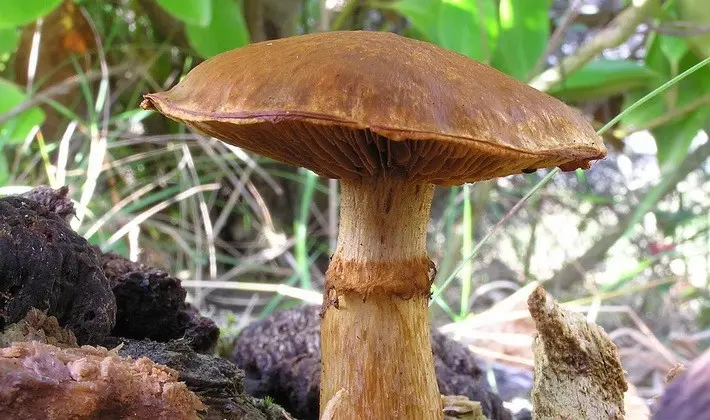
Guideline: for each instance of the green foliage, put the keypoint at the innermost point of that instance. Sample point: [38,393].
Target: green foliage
[525,31]
[675,117]
[668,58]
[697,14]
[226,30]
[654,195]
[604,78]
[309,180]
[511,35]
[211,26]
[9,37]
[192,12]
[18,128]
[466,247]
[19,12]
[674,49]
[468,27]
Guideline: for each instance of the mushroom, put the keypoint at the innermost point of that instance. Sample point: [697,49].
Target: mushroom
[390,117]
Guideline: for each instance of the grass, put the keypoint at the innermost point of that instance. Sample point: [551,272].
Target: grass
[187,181]
[464,265]
[250,236]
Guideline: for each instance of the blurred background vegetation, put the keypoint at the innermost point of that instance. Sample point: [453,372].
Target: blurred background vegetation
[628,241]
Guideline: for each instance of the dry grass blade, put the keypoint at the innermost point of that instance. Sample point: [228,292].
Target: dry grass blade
[140,218]
[307,296]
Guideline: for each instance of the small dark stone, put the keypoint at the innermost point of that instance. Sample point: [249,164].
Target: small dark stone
[151,304]
[280,356]
[47,266]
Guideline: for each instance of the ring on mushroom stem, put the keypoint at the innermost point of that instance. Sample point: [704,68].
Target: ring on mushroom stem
[390,117]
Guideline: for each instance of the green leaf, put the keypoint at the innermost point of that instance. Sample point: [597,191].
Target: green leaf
[227,30]
[4,168]
[18,128]
[674,49]
[19,12]
[670,221]
[656,60]
[641,116]
[603,78]
[674,139]
[192,12]
[421,15]
[627,276]
[8,40]
[525,30]
[697,13]
[469,27]
[655,57]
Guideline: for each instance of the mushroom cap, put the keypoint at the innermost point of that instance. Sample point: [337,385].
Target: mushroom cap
[356,104]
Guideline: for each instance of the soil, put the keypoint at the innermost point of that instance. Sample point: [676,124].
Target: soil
[151,304]
[58,292]
[281,358]
[47,266]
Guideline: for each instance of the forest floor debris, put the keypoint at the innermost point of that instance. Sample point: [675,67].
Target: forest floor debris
[577,374]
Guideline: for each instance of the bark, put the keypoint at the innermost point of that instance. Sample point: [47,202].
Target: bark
[578,374]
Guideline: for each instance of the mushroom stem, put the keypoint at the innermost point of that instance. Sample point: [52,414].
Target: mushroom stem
[375,335]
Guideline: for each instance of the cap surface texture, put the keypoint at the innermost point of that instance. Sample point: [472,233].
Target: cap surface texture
[365,104]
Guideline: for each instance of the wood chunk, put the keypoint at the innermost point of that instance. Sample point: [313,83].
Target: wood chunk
[38,326]
[41,381]
[459,407]
[578,373]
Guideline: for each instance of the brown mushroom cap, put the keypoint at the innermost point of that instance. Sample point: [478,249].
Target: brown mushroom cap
[365,104]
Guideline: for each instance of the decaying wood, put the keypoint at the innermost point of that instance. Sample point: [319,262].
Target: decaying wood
[578,373]
[458,407]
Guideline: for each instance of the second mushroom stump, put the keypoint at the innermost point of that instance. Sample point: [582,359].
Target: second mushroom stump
[390,117]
